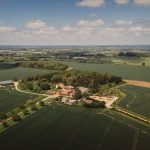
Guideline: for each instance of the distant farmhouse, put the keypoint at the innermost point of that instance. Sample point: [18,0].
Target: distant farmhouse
[8,83]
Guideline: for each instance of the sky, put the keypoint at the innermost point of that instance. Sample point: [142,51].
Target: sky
[74,22]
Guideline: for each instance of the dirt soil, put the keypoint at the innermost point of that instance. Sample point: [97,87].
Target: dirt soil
[138,83]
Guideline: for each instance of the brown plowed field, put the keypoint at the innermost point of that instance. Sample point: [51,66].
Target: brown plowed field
[138,83]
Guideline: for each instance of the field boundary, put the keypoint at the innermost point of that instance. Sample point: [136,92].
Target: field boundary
[133,115]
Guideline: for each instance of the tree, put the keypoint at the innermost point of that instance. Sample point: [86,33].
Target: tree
[44,86]
[35,86]
[22,106]
[26,112]
[34,108]
[5,124]
[3,115]
[42,103]
[143,63]
[77,94]
[16,118]
[86,95]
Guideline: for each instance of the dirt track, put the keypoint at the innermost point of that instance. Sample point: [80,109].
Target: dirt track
[138,83]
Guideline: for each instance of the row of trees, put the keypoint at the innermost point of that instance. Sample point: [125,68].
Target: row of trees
[134,54]
[73,77]
[94,104]
[15,117]
[44,65]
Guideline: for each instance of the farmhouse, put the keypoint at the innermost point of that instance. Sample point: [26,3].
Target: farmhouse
[64,90]
[61,92]
[8,83]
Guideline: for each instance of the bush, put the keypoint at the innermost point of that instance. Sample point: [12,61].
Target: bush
[16,118]
[143,63]
[77,94]
[22,107]
[5,125]
[34,108]
[26,112]
[30,102]
[94,104]
[3,115]
[42,103]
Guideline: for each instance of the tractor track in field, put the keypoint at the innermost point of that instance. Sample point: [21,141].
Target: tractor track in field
[107,131]
[135,140]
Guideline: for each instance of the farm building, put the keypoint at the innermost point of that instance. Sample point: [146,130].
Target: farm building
[65,92]
[69,101]
[8,83]
[51,92]
[83,89]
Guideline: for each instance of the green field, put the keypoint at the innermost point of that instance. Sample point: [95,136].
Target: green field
[9,99]
[8,71]
[125,71]
[137,100]
[60,127]
[131,61]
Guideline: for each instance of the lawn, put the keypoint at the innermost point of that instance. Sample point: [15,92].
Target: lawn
[137,100]
[9,99]
[9,71]
[69,128]
[125,71]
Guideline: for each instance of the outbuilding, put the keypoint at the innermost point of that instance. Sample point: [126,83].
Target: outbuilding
[8,83]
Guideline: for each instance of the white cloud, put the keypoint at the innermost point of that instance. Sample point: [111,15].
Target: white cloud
[95,23]
[121,2]
[67,29]
[139,29]
[36,24]
[123,23]
[83,32]
[4,29]
[142,2]
[91,3]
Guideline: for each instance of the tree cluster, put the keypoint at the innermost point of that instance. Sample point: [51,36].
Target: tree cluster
[133,54]
[44,65]
[73,77]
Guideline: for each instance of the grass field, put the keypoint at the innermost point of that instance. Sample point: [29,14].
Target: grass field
[137,100]
[8,71]
[131,61]
[60,127]
[10,99]
[125,71]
